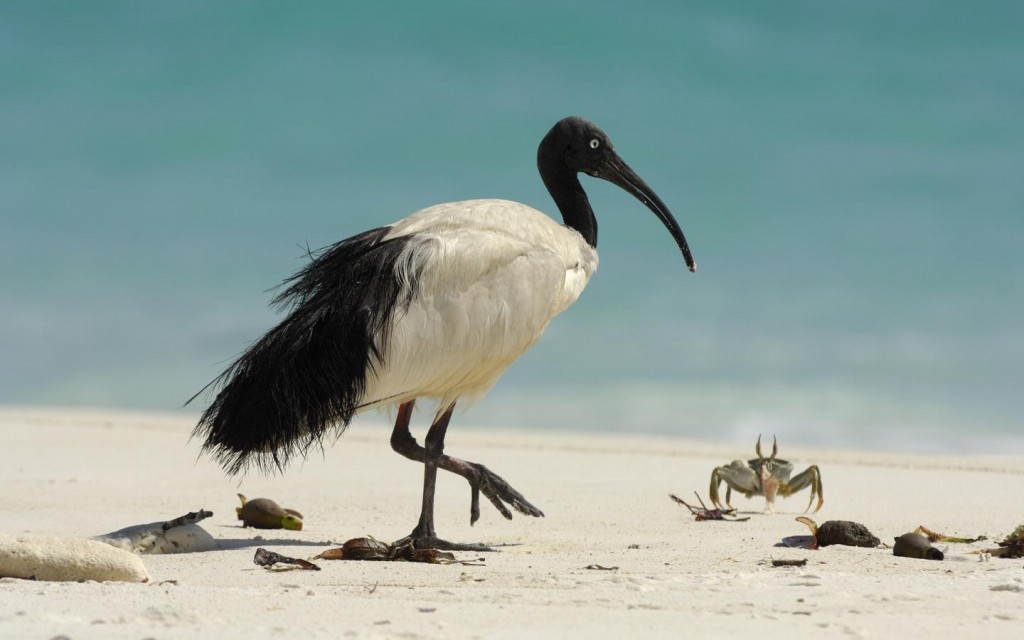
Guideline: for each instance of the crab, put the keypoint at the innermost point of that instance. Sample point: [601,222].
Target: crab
[766,477]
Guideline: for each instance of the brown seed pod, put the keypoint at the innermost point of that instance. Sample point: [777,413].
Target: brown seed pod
[264,513]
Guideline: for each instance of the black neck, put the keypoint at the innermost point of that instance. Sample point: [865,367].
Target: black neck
[567,192]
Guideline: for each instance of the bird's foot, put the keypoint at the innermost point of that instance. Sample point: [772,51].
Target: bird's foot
[483,480]
[431,541]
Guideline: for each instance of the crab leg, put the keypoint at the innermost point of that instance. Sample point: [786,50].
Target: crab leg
[810,477]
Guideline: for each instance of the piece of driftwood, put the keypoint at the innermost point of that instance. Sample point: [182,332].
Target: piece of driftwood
[180,535]
[68,560]
[269,560]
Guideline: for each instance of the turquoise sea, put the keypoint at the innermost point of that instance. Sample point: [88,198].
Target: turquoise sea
[850,176]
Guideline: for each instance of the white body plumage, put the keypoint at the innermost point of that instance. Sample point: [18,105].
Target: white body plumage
[491,276]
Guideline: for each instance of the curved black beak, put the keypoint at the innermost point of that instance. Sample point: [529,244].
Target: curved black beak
[616,171]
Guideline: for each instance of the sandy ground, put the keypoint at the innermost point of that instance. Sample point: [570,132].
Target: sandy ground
[82,473]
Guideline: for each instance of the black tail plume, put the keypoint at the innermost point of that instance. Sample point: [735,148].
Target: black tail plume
[308,374]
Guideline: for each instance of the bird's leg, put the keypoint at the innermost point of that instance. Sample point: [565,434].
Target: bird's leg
[480,478]
[401,439]
[423,536]
[424,531]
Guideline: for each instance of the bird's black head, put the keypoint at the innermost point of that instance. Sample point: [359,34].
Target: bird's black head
[577,145]
[583,146]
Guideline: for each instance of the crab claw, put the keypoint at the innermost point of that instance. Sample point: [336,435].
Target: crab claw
[775,448]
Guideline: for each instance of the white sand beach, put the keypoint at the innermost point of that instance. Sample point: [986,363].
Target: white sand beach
[79,473]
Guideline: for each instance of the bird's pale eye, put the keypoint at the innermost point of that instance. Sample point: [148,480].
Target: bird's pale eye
[595,143]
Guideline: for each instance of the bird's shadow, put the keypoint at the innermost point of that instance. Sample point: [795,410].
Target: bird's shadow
[505,545]
[260,541]
[229,544]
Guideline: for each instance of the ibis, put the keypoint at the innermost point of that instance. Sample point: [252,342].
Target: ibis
[432,307]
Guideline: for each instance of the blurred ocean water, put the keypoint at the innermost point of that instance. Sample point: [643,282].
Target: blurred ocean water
[848,175]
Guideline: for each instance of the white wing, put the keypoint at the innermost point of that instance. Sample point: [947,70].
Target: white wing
[487,277]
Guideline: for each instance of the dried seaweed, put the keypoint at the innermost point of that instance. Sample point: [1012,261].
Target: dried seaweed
[369,548]
[703,513]
[1012,546]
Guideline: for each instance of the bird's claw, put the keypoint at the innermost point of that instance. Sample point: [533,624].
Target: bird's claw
[431,541]
[499,492]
